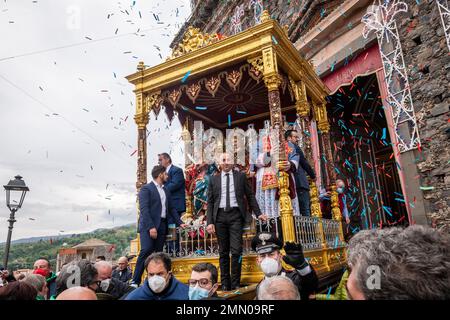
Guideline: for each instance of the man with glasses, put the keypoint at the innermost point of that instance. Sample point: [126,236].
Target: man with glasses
[203,282]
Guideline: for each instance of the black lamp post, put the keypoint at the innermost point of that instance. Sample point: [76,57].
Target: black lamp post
[15,193]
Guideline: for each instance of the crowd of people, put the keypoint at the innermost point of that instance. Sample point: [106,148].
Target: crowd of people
[383,264]
[391,263]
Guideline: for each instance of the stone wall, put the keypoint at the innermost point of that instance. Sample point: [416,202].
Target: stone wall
[428,60]
[299,15]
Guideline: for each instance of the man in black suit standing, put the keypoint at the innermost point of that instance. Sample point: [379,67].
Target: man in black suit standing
[226,216]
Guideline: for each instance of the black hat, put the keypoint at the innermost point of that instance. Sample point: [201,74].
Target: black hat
[266,242]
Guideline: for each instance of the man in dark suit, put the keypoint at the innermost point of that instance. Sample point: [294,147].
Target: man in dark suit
[177,186]
[302,167]
[226,216]
[156,206]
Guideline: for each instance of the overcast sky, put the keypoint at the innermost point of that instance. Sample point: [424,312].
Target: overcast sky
[66,114]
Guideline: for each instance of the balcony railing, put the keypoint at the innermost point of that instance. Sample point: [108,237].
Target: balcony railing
[194,241]
[307,231]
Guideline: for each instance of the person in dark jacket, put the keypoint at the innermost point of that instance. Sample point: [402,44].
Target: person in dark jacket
[156,206]
[302,168]
[176,184]
[203,282]
[109,285]
[160,284]
[228,193]
[42,266]
[122,272]
[269,258]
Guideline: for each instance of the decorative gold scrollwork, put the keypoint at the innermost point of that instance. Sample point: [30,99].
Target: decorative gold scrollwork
[320,111]
[301,99]
[265,16]
[193,40]
[257,63]
[153,102]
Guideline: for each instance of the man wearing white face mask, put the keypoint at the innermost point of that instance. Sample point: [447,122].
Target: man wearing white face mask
[268,247]
[112,286]
[160,283]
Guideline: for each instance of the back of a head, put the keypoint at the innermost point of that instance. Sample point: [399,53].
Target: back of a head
[412,263]
[18,290]
[77,293]
[277,288]
[36,280]
[87,274]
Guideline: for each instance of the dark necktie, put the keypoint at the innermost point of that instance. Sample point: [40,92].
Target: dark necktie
[227,198]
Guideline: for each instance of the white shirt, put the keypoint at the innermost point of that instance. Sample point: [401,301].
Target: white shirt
[162,196]
[223,198]
[168,168]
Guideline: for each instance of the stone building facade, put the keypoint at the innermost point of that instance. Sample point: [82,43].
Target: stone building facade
[330,35]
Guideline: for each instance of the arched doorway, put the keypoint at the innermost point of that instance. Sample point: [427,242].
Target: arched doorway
[364,157]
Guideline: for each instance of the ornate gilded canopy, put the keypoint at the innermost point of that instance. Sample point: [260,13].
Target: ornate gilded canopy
[224,81]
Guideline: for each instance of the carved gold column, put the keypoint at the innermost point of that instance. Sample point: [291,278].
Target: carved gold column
[141,120]
[303,109]
[324,128]
[272,80]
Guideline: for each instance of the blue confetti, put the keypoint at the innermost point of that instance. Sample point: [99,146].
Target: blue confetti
[274,40]
[186,76]
[388,210]
[201,108]
[328,294]
[229,120]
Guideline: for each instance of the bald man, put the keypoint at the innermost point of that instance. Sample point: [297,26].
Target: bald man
[112,286]
[77,293]
[277,288]
[123,272]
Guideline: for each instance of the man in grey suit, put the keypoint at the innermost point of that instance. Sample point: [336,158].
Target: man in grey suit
[226,216]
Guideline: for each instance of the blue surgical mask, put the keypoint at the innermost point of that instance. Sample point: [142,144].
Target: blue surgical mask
[197,293]
[340,190]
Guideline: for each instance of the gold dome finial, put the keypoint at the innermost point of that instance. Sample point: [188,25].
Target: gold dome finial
[141,66]
[265,16]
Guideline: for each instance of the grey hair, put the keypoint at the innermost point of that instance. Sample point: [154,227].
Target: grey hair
[35,280]
[414,263]
[272,287]
[88,274]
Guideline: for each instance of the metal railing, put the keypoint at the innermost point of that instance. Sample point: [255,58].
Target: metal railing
[194,241]
[307,231]
[331,233]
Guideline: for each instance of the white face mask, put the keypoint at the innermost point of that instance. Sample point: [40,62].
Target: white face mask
[104,285]
[157,283]
[270,267]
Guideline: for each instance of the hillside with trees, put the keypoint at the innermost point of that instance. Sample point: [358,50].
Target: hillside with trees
[23,255]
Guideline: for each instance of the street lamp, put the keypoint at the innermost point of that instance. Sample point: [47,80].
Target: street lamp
[15,194]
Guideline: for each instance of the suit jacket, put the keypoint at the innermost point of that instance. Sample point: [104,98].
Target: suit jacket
[301,181]
[177,187]
[150,208]
[242,188]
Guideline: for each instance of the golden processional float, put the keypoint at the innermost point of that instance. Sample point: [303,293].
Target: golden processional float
[242,81]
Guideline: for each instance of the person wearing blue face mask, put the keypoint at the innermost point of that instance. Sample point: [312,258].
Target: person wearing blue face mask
[203,282]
